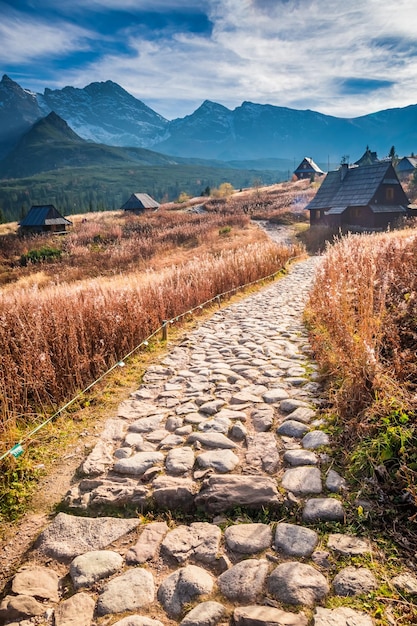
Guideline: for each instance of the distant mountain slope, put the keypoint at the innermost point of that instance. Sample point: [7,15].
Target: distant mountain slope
[51,144]
[106,113]
[19,109]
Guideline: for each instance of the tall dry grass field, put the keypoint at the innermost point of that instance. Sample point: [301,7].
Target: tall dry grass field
[363,319]
[110,289]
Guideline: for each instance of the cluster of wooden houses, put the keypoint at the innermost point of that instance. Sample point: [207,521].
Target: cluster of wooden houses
[367,194]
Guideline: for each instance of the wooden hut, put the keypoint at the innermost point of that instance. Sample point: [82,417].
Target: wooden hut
[307,169]
[139,203]
[406,166]
[369,197]
[44,218]
[368,158]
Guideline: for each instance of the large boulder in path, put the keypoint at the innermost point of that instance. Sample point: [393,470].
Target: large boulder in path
[256,615]
[183,587]
[222,493]
[68,536]
[131,591]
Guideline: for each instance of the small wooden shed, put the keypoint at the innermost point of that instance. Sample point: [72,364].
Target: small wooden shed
[44,218]
[307,169]
[140,202]
[369,197]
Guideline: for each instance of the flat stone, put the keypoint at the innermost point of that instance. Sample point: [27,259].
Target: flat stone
[174,493]
[187,407]
[37,581]
[238,431]
[248,538]
[243,397]
[137,464]
[88,568]
[221,461]
[343,616]
[323,510]
[262,452]
[212,440]
[179,461]
[134,440]
[99,459]
[302,480]
[170,441]
[244,582]
[146,424]
[232,415]
[300,457]
[292,428]
[199,541]
[221,493]
[212,407]
[262,418]
[204,614]
[294,540]
[297,583]
[78,610]
[173,422]
[68,536]
[290,404]
[148,543]
[334,482]
[131,409]
[131,591]
[406,583]
[257,615]
[348,544]
[353,581]
[20,607]
[315,439]
[216,425]
[301,414]
[182,587]
[273,396]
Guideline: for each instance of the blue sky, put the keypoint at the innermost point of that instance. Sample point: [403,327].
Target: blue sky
[340,57]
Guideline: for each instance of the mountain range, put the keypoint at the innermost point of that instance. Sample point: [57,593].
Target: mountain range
[104,113]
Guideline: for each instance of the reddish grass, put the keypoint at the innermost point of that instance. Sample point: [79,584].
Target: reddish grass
[65,322]
[362,314]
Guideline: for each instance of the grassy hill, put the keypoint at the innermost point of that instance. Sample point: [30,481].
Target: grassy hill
[51,164]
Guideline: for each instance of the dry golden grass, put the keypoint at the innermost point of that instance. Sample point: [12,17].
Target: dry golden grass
[362,314]
[63,323]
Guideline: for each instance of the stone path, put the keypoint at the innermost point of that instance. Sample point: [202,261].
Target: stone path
[207,497]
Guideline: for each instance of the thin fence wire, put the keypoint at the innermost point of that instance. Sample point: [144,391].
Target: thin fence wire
[17,449]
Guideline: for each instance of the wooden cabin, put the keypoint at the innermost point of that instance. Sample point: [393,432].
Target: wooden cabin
[44,218]
[368,158]
[139,203]
[307,169]
[368,197]
[406,166]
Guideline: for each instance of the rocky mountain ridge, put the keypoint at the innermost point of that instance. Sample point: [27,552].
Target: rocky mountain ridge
[106,113]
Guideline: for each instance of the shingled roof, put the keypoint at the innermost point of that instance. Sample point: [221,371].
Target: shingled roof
[44,215]
[352,186]
[139,202]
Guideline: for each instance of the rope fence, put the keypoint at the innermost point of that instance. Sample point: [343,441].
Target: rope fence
[17,449]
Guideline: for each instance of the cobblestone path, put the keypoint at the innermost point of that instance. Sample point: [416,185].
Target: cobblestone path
[222,449]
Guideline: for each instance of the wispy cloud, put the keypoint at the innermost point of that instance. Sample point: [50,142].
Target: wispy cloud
[346,58]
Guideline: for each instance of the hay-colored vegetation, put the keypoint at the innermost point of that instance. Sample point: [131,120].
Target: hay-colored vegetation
[72,306]
[362,316]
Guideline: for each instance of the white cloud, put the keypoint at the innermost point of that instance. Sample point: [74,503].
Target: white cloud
[295,53]
[24,39]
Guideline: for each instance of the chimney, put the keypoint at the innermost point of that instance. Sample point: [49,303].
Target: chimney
[343,170]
